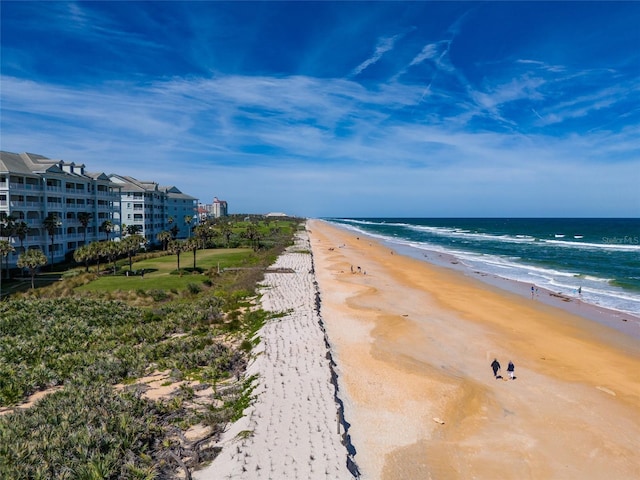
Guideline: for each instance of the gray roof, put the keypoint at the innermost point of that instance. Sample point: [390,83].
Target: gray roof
[31,163]
[27,163]
[130,184]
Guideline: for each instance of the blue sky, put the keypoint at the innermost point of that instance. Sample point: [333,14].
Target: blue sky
[338,108]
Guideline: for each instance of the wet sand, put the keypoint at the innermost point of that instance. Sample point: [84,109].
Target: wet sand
[413,343]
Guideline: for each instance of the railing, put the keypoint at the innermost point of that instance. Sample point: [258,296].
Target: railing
[24,186]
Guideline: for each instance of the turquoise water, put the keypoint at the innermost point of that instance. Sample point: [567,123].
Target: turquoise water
[601,257]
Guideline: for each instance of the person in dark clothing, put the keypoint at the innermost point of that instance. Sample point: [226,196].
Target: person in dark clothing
[511,369]
[495,366]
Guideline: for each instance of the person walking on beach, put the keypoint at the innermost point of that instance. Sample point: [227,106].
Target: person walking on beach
[511,369]
[495,366]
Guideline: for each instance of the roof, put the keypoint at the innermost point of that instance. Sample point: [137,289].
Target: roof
[130,184]
[31,163]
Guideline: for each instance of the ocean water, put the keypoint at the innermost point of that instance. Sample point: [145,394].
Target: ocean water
[595,259]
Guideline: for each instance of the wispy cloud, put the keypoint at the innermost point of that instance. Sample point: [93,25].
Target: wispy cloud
[429,123]
[384,45]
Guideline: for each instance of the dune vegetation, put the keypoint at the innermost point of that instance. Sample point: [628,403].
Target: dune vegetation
[111,373]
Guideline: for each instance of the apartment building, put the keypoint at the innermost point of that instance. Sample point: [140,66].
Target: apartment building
[219,208]
[33,187]
[153,208]
[180,208]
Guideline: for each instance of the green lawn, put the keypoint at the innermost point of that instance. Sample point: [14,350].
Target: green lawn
[160,273]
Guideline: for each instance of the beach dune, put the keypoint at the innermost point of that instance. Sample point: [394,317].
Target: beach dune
[413,345]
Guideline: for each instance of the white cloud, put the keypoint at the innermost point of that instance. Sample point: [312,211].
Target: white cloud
[318,147]
[384,45]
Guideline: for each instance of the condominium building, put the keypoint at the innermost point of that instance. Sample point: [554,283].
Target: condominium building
[153,208]
[219,208]
[182,211]
[32,187]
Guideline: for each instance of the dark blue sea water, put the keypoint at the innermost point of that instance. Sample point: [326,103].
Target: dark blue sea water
[601,257]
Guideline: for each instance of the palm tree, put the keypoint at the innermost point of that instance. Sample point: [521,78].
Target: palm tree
[253,235]
[131,245]
[107,228]
[164,237]
[7,223]
[83,255]
[192,244]
[132,229]
[111,250]
[21,231]
[226,231]
[5,249]
[51,224]
[176,247]
[187,220]
[32,259]
[7,230]
[96,253]
[202,233]
[84,218]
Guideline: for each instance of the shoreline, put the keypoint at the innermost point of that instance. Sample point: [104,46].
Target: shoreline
[413,343]
[622,321]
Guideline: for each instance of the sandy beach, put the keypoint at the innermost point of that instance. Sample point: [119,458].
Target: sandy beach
[413,345]
[292,430]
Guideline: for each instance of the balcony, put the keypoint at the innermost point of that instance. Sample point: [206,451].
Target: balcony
[25,186]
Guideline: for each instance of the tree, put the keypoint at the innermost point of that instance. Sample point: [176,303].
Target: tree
[174,231]
[133,229]
[83,254]
[21,231]
[203,234]
[96,251]
[164,237]
[192,244]
[5,249]
[187,220]
[84,218]
[131,245]
[7,230]
[7,223]
[225,231]
[253,235]
[176,247]
[107,228]
[32,259]
[112,250]
[51,224]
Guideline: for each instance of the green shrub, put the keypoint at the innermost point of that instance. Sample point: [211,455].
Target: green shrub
[158,295]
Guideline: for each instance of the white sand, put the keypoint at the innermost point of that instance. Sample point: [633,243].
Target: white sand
[291,430]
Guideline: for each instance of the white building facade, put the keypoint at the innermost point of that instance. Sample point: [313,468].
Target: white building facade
[32,187]
[153,208]
[219,208]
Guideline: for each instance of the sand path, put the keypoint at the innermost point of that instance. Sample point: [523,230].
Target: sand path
[291,430]
[413,344]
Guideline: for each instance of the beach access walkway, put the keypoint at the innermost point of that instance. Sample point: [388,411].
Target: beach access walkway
[293,429]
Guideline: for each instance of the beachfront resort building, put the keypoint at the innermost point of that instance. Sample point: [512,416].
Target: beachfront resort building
[154,208]
[219,208]
[52,205]
[36,191]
